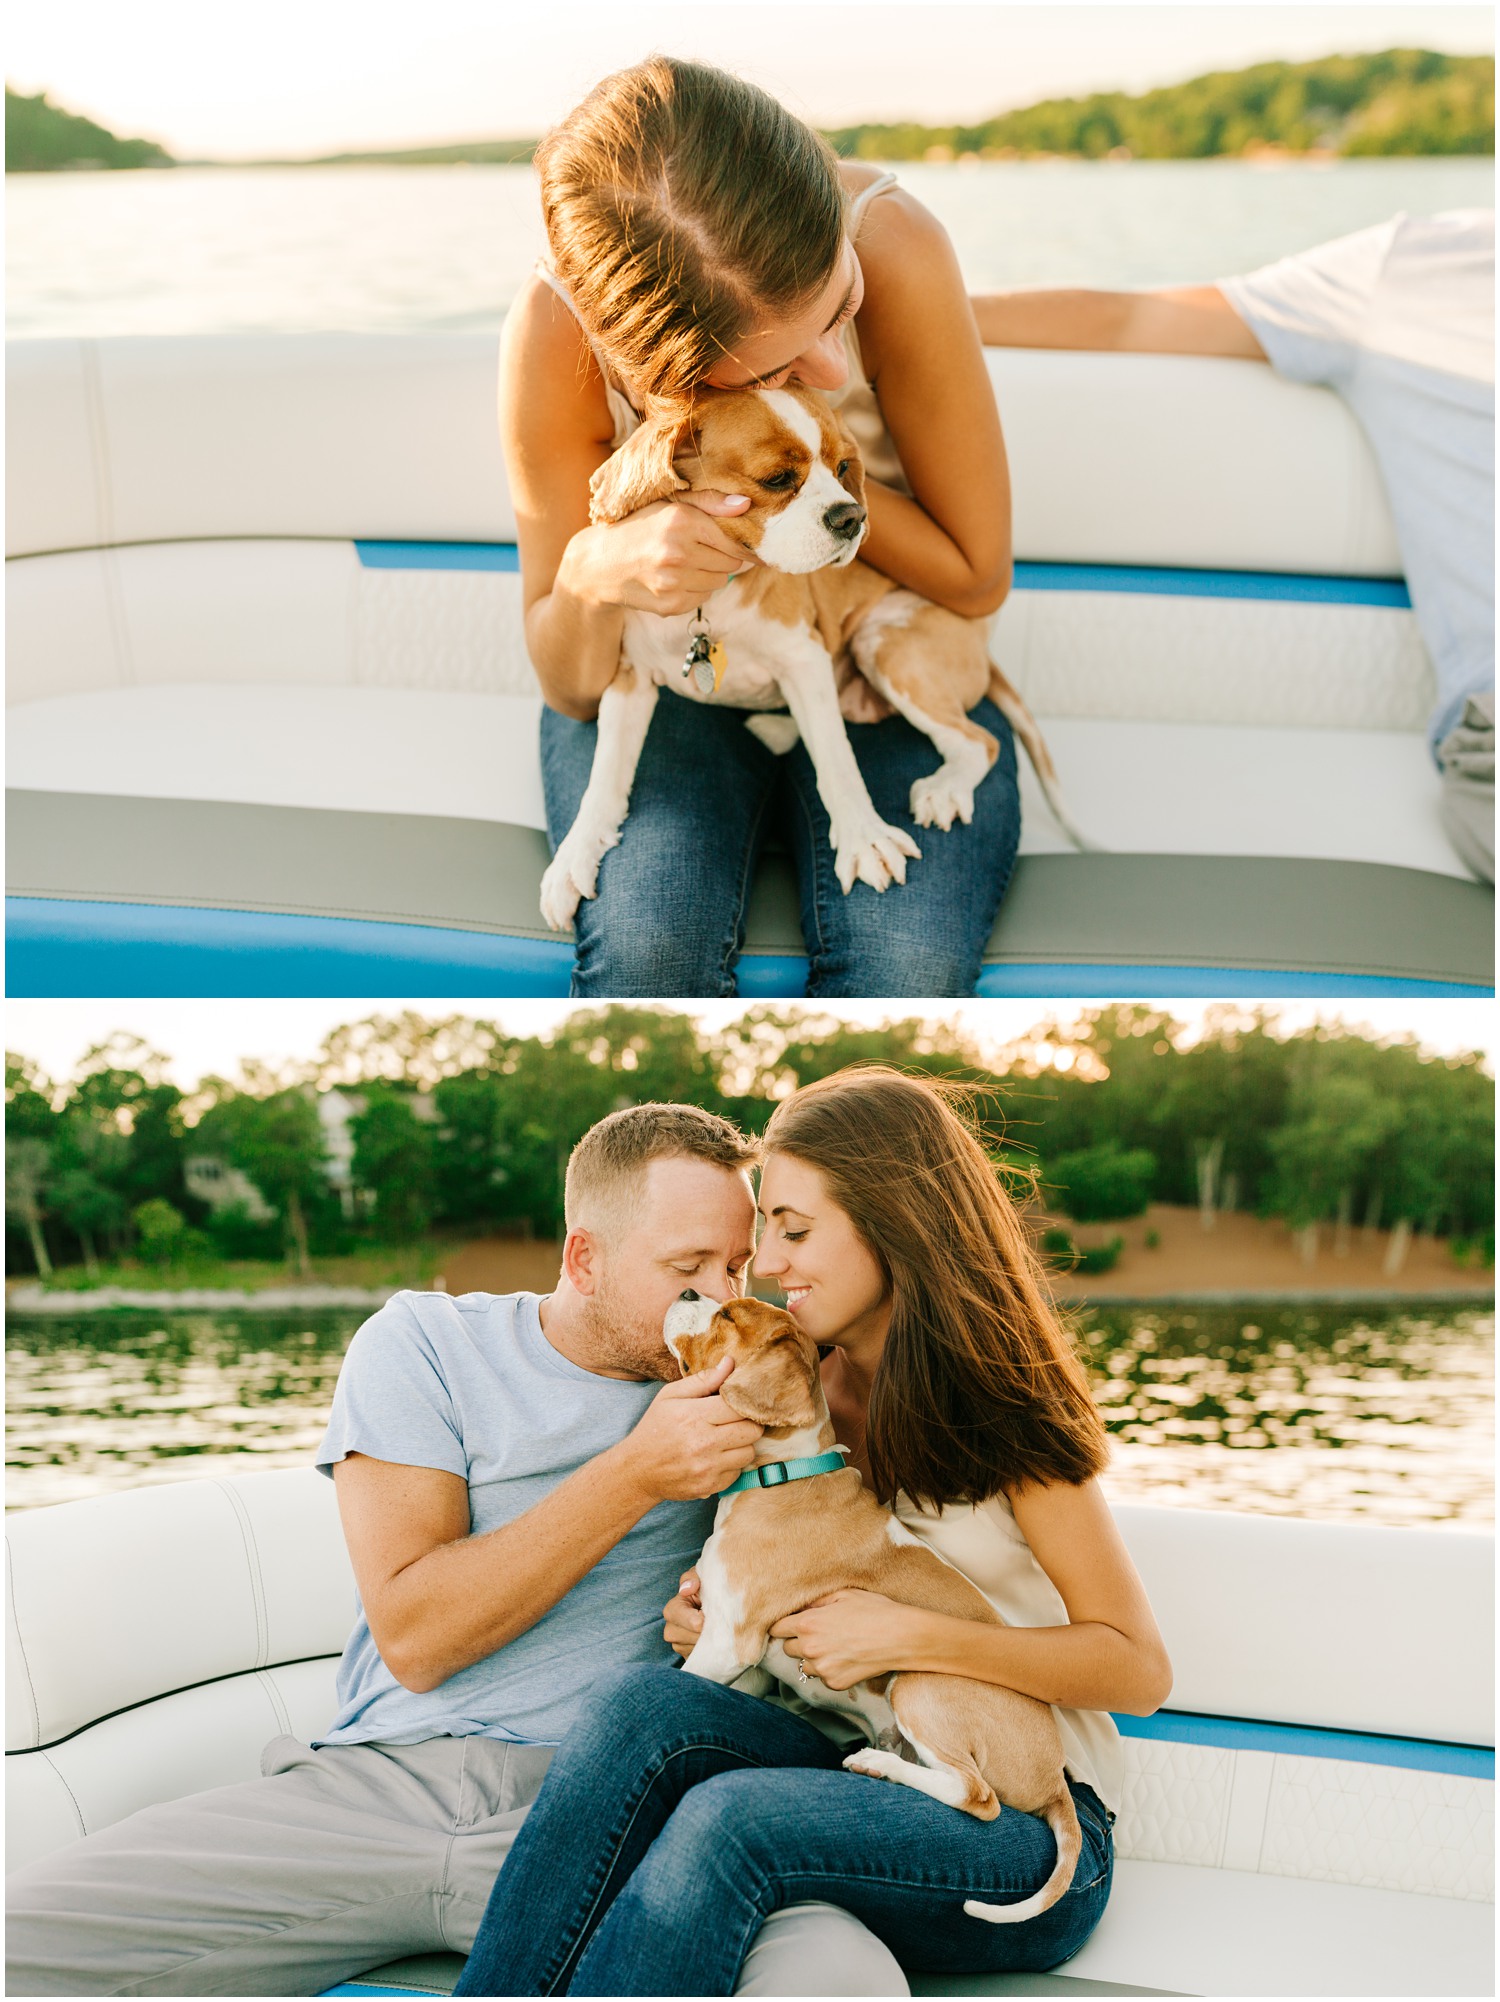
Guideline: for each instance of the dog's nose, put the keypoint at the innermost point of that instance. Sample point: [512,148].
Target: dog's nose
[845,520]
[688,1295]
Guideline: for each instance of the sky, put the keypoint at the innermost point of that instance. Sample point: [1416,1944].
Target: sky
[208,1038]
[309,76]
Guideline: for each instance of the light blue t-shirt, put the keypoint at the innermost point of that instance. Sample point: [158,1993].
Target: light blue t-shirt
[1400,320]
[472,1386]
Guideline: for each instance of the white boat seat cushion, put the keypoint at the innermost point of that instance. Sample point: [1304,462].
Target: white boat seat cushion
[1114,458]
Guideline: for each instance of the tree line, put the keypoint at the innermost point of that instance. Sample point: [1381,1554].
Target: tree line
[461,1127]
[41,136]
[1399,101]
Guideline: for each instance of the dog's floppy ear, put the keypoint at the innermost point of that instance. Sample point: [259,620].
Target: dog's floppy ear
[773,1386]
[639,473]
[854,480]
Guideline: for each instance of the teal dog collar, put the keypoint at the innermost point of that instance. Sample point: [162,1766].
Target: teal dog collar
[778,1472]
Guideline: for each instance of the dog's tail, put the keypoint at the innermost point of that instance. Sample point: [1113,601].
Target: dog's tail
[1061,1817]
[1008,701]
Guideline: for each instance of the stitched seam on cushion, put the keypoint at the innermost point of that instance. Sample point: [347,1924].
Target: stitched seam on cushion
[257,1581]
[559,1967]
[93,396]
[83,1827]
[10,1588]
[283,1716]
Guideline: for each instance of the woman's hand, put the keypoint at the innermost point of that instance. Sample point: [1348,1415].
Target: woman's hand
[684,1615]
[850,1636]
[667,558]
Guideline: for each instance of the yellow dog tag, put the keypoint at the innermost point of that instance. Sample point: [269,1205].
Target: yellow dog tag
[718,660]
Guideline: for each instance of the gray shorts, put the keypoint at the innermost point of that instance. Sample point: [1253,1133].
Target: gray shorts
[333,1862]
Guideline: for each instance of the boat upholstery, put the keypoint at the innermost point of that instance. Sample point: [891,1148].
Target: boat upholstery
[239,891]
[1315,1785]
[166,438]
[280,574]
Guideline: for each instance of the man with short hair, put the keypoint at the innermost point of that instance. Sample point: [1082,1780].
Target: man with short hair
[522,1483]
[1398,319]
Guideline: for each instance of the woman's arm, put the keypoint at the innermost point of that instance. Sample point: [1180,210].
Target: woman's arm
[1175,320]
[1110,1656]
[951,540]
[578,580]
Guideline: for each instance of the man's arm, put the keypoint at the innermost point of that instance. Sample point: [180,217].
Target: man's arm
[438,1599]
[1180,320]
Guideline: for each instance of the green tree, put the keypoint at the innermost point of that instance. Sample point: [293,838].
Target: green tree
[88,1168]
[28,1163]
[469,1175]
[277,1141]
[29,1109]
[40,135]
[1100,1184]
[161,1231]
[393,1160]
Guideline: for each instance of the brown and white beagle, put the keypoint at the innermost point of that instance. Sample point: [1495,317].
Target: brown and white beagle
[796,629]
[775,1549]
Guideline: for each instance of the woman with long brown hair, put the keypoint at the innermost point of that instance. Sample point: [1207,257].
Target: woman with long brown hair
[702,238]
[679,1815]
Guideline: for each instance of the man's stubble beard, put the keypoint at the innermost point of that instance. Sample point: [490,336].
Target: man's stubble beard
[622,1339]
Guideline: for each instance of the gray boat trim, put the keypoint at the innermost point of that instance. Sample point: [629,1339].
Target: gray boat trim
[1220,911]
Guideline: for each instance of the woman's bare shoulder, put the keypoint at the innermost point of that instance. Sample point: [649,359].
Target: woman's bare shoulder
[857,175]
[547,366]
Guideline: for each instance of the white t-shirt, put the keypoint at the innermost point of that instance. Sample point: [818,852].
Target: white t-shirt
[1400,320]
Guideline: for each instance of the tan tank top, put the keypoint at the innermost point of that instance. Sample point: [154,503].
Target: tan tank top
[986,1544]
[856,402]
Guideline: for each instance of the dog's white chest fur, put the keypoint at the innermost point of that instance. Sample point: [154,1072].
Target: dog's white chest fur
[758,651]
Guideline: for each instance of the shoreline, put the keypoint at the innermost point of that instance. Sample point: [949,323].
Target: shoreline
[29,1299]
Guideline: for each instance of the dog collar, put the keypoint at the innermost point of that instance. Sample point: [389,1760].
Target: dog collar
[778,1472]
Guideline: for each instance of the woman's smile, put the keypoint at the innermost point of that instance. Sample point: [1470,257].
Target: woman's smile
[832,1282]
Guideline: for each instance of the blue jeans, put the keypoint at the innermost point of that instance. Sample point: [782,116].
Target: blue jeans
[669,918]
[677,1816]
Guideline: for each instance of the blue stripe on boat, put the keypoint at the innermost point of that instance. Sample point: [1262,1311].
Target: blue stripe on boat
[1286,587]
[439,555]
[1136,579]
[1240,1734]
[61,945]
[1082,982]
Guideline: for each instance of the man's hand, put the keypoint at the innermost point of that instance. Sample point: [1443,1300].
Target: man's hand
[684,1615]
[689,1444]
[850,1636]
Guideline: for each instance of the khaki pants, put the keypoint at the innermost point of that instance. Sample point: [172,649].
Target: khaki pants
[334,1862]
[1467,758]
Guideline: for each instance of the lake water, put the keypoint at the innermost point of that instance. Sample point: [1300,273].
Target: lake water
[402,249]
[1342,1413]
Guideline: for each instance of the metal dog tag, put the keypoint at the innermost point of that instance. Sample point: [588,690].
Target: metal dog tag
[705,662]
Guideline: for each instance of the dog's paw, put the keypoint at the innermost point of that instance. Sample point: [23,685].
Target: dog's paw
[878,856]
[572,875]
[874,1764]
[775,729]
[940,799]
